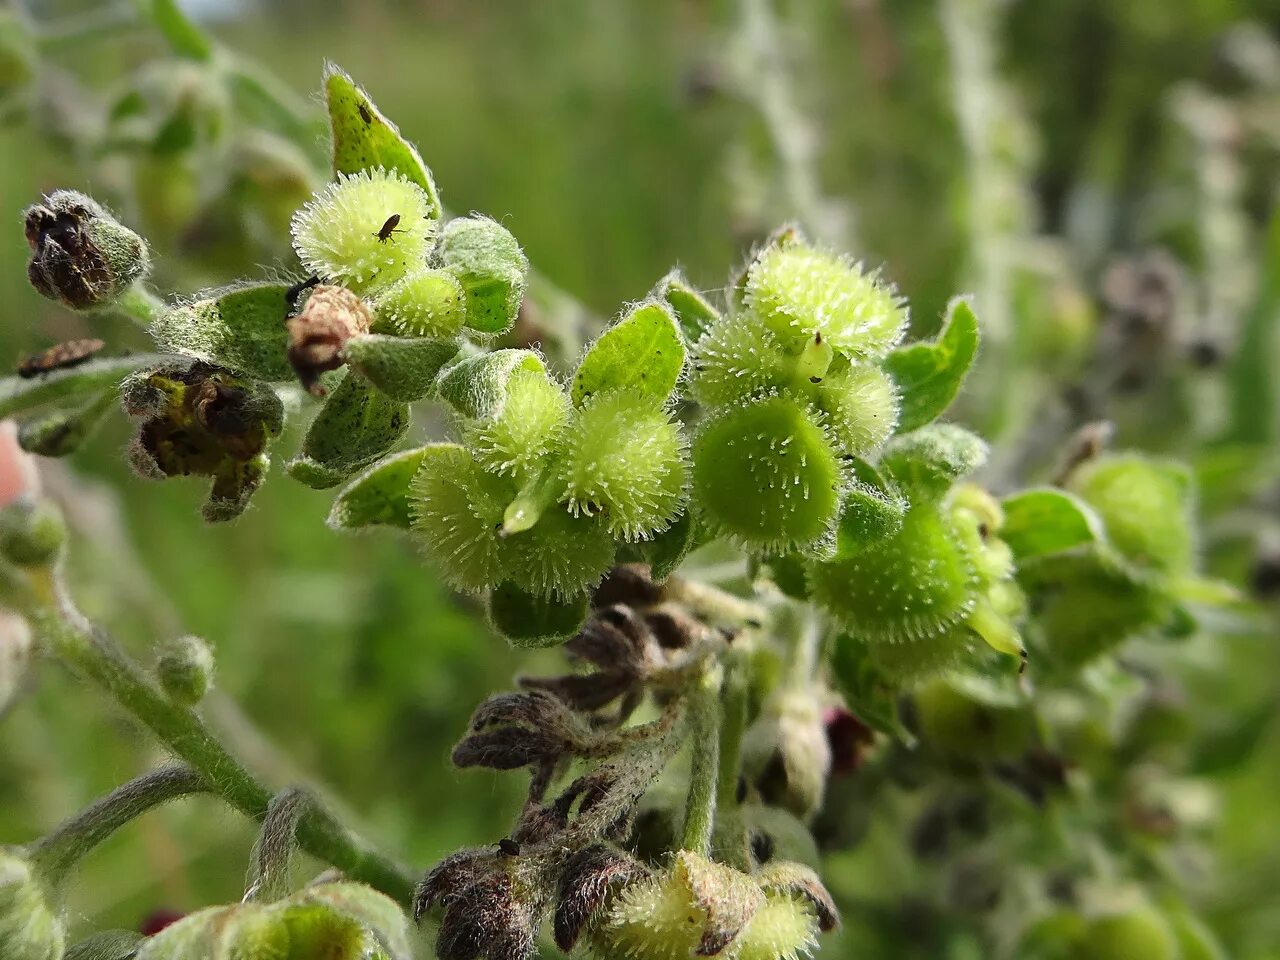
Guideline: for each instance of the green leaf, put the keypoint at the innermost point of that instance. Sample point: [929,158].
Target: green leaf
[1038,523]
[242,329]
[364,139]
[180,31]
[529,620]
[927,461]
[493,271]
[930,374]
[403,368]
[693,311]
[74,385]
[1252,379]
[62,431]
[871,695]
[644,351]
[667,550]
[870,513]
[380,495]
[107,945]
[374,911]
[355,426]
[477,386]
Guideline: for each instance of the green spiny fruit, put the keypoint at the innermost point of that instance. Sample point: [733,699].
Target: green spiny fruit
[530,424]
[625,459]
[457,507]
[739,358]
[424,303]
[801,292]
[766,474]
[560,555]
[861,404]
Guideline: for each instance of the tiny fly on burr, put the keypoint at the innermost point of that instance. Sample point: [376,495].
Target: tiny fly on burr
[59,357]
[388,228]
[293,293]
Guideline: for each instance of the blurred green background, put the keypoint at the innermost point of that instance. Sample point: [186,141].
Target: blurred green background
[616,140]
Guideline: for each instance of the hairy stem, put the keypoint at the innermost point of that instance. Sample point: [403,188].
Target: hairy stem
[56,854]
[713,604]
[268,878]
[700,808]
[733,726]
[139,304]
[93,655]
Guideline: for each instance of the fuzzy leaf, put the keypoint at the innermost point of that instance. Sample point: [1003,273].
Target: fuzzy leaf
[355,426]
[693,311]
[927,461]
[1042,522]
[528,620]
[870,512]
[380,495]
[403,368]
[242,330]
[643,351]
[107,945]
[372,910]
[62,431]
[477,386]
[364,139]
[69,387]
[667,550]
[930,374]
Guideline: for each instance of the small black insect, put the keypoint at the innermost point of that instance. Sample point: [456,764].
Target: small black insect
[388,228]
[59,357]
[365,115]
[293,293]
[509,847]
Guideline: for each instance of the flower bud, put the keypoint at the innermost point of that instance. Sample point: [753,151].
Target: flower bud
[30,929]
[80,255]
[185,669]
[425,303]
[491,267]
[766,474]
[318,332]
[786,753]
[366,230]
[31,532]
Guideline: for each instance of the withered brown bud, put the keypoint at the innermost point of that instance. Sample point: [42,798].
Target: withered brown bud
[487,908]
[628,584]
[80,255]
[320,330]
[590,877]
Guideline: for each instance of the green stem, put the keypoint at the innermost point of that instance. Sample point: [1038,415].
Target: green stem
[732,729]
[273,853]
[713,604]
[139,304]
[700,807]
[93,655]
[57,853]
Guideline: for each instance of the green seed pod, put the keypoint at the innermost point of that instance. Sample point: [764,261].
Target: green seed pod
[492,268]
[1125,936]
[30,929]
[624,459]
[81,256]
[1146,507]
[739,358]
[31,532]
[527,620]
[861,404]
[784,928]
[765,474]
[185,670]
[528,426]
[562,555]
[457,508]
[801,292]
[910,587]
[365,230]
[425,303]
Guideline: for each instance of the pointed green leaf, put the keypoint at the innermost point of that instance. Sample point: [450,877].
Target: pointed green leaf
[241,329]
[528,620]
[477,386]
[930,374]
[927,461]
[380,495]
[355,426]
[1038,523]
[403,368]
[74,385]
[644,351]
[107,945]
[364,139]
[693,311]
[182,33]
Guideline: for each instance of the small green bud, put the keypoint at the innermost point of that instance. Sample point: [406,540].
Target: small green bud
[30,929]
[739,358]
[1146,508]
[861,404]
[81,256]
[492,268]
[1125,936]
[766,474]
[425,303]
[526,428]
[801,292]
[185,669]
[625,459]
[32,532]
[365,230]
[908,588]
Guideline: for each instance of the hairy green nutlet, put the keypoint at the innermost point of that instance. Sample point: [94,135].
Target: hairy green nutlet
[341,234]
[766,474]
[529,425]
[491,267]
[185,669]
[861,404]
[625,460]
[424,303]
[561,555]
[801,292]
